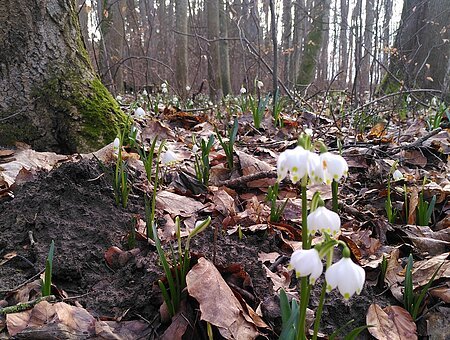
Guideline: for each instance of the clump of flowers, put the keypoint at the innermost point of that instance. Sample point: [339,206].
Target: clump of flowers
[303,165]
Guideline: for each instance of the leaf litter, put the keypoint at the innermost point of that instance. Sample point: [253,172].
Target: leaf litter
[112,290]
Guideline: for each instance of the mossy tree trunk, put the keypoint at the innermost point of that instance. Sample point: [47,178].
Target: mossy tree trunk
[50,97]
[313,44]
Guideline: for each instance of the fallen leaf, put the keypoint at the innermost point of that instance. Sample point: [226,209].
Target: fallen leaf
[413,202]
[424,270]
[218,306]
[177,205]
[392,323]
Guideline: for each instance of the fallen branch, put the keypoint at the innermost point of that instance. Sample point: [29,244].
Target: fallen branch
[26,305]
[418,142]
[238,182]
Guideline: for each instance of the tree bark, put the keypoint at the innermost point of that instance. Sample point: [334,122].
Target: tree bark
[50,96]
[215,86]
[224,48]
[181,46]
[422,47]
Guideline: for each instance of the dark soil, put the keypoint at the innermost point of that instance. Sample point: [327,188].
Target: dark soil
[74,206]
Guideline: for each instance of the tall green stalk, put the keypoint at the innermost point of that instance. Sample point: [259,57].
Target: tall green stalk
[304,285]
[334,192]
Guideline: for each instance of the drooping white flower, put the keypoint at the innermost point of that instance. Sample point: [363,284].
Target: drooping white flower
[164,90]
[168,157]
[347,276]
[163,85]
[116,145]
[260,84]
[139,113]
[175,100]
[188,88]
[315,172]
[307,262]
[294,162]
[334,166]
[119,98]
[323,220]
[161,106]
[243,90]
[144,93]
[397,175]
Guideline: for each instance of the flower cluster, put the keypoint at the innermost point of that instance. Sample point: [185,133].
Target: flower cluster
[323,168]
[300,163]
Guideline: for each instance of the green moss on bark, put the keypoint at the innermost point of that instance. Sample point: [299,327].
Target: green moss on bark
[84,115]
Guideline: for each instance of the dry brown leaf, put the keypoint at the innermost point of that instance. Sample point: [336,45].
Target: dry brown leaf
[413,202]
[424,270]
[392,323]
[252,165]
[377,131]
[268,257]
[177,205]
[279,280]
[414,157]
[59,317]
[442,293]
[393,277]
[29,160]
[218,306]
[438,327]
[224,202]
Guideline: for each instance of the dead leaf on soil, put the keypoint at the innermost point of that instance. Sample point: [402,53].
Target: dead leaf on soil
[218,306]
[177,205]
[414,157]
[393,277]
[424,270]
[282,279]
[224,202]
[268,257]
[442,293]
[390,323]
[413,202]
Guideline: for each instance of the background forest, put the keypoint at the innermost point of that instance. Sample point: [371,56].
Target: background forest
[307,44]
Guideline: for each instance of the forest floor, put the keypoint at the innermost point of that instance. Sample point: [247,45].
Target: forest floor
[106,289]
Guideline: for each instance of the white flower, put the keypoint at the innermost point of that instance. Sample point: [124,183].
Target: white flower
[347,276]
[188,88]
[309,132]
[307,262]
[168,157]
[164,90]
[243,90]
[139,112]
[260,84]
[119,98]
[315,172]
[334,167]
[164,85]
[323,220]
[116,145]
[144,93]
[175,100]
[161,106]
[293,161]
[397,175]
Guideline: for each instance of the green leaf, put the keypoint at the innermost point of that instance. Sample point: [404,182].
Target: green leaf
[47,284]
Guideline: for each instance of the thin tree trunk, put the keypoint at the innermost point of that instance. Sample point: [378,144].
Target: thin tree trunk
[181,46]
[224,49]
[215,86]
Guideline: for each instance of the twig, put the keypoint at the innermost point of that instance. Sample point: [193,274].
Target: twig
[26,305]
[24,283]
[416,143]
[237,182]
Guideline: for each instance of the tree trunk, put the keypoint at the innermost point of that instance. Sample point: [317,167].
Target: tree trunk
[343,38]
[181,46]
[313,44]
[423,47]
[287,39]
[224,48]
[215,86]
[50,96]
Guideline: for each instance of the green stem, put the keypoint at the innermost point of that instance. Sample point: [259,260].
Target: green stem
[319,310]
[334,191]
[304,289]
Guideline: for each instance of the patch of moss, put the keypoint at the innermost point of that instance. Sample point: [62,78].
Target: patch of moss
[101,115]
[83,114]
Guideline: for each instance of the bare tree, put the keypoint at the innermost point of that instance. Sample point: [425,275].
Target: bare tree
[215,86]
[223,48]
